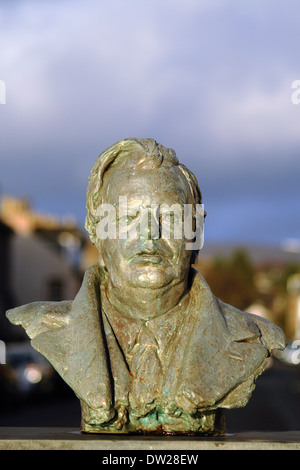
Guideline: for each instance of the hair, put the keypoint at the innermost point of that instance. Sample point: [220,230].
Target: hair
[139,152]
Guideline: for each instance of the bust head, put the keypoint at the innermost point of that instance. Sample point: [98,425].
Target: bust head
[147,178]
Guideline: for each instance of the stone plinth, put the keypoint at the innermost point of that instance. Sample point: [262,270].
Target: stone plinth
[31,438]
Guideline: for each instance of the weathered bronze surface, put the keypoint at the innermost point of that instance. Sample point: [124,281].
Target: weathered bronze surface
[145,345]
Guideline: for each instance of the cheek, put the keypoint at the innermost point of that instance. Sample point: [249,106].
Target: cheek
[180,253]
[111,253]
[107,252]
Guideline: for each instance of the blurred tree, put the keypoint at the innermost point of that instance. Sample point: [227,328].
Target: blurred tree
[232,279]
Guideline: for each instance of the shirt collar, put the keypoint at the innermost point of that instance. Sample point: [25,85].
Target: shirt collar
[126,329]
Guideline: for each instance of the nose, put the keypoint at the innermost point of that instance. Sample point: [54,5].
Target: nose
[148,246]
[149,226]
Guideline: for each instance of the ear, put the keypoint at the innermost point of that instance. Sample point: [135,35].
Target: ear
[101,260]
[103,270]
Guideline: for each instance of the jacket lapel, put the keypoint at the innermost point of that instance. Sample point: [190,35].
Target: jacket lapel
[207,362]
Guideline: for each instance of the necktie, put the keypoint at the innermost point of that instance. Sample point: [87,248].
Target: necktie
[146,371]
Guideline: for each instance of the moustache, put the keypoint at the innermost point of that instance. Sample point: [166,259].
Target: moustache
[148,248]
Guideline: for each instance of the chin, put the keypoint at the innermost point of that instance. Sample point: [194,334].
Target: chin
[152,278]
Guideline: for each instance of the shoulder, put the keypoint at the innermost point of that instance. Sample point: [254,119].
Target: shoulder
[39,317]
[241,326]
[239,323]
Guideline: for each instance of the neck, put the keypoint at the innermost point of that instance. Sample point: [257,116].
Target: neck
[146,303]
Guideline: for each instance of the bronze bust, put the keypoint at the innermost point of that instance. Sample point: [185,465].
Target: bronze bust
[145,345]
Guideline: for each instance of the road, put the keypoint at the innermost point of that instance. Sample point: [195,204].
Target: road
[274,406]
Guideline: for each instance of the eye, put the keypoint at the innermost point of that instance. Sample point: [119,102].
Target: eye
[165,217]
[128,218]
[171,217]
[131,217]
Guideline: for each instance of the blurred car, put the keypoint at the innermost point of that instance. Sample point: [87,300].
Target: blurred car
[26,373]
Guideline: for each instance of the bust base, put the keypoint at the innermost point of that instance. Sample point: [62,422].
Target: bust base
[60,438]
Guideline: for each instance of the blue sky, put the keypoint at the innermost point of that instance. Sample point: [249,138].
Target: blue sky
[211,79]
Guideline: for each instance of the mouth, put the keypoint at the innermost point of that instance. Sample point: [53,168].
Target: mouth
[147,259]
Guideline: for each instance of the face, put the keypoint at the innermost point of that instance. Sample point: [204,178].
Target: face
[145,259]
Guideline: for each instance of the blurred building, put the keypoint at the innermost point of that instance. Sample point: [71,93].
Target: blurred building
[6,291]
[40,259]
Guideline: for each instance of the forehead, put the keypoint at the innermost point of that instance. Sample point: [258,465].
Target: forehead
[146,186]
